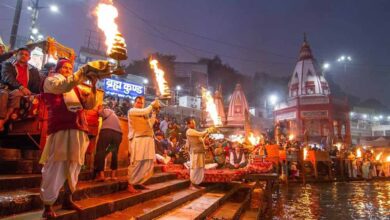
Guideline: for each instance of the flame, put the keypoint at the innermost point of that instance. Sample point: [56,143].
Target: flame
[237,138]
[254,140]
[305,153]
[106,14]
[291,137]
[358,153]
[211,108]
[338,145]
[161,82]
[378,156]
[388,158]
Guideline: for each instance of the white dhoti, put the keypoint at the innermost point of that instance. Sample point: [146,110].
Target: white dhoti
[62,157]
[142,154]
[140,171]
[197,165]
[209,166]
[196,175]
[54,174]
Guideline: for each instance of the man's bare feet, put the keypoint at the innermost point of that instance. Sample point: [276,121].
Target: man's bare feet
[194,186]
[100,177]
[48,212]
[113,175]
[131,189]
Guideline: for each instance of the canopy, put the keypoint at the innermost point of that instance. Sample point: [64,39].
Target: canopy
[376,141]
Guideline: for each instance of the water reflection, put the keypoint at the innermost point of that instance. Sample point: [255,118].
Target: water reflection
[356,200]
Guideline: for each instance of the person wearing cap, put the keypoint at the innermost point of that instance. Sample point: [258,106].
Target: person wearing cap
[197,152]
[141,143]
[18,79]
[67,139]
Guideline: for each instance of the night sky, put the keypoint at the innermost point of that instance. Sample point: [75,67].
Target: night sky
[252,35]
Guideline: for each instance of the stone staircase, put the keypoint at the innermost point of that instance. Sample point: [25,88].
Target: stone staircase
[166,198]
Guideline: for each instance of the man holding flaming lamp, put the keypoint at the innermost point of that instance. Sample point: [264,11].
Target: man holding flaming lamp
[141,142]
[67,139]
[197,152]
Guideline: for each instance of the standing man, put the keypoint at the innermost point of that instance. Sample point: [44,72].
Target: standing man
[164,125]
[197,153]
[3,91]
[19,79]
[110,136]
[67,132]
[141,142]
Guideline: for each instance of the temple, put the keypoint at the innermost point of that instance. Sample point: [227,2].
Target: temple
[218,100]
[237,116]
[311,113]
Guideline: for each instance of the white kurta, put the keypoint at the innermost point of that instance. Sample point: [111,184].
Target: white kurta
[141,149]
[65,150]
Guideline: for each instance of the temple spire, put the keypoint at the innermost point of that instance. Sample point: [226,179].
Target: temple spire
[305,52]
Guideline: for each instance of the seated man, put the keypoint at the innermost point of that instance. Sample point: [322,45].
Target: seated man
[209,154]
[19,79]
[161,149]
[219,155]
[237,157]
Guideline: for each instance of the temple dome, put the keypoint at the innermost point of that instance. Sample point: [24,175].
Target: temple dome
[307,78]
[237,107]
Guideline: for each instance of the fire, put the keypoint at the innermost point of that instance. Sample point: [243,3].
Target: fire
[378,156]
[358,153]
[253,139]
[211,108]
[388,158]
[291,137]
[304,153]
[338,145]
[107,13]
[161,82]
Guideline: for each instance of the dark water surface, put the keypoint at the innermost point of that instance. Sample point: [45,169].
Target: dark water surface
[343,200]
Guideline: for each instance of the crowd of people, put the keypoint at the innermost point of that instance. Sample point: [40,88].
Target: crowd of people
[366,166]
[172,147]
[153,138]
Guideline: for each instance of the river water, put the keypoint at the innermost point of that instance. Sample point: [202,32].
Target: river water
[342,200]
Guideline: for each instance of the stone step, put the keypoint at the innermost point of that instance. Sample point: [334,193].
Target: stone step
[203,206]
[103,205]
[14,202]
[249,214]
[158,206]
[26,181]
[234,206]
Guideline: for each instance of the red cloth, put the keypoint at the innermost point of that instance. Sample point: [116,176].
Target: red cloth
[22,76]
[220,175]
[59,117]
